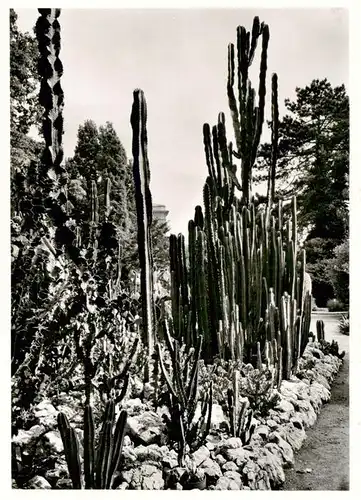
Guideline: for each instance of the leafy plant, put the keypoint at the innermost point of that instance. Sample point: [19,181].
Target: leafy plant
[344,325]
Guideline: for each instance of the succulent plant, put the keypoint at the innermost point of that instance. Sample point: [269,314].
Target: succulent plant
[100,462]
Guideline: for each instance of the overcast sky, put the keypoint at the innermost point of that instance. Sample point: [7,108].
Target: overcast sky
[179,59]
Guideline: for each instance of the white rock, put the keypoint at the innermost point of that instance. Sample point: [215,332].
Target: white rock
[230,466]
[24,438]
[53,439]
[211,469]
[46,413]
[227,483]
[147,477]
[38,483]
[201,455]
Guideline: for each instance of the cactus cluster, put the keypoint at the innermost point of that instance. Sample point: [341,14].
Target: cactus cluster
[239,415]
[101,462]
[239,286]
[183,426]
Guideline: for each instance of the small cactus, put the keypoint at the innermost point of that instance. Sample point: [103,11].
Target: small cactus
[100,465]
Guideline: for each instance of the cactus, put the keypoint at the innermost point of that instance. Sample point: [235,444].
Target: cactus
[51,95]
[239,417]
[143,198]
[100,465]
[247,119]
[320,327]
[184,397]
[274,148]
[240,288]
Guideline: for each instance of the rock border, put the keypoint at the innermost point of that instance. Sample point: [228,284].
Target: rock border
[148,464]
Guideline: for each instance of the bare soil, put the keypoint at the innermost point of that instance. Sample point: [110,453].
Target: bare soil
[323,461]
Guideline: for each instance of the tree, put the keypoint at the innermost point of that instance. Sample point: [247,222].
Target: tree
[313,157]
[24,111]
[313,163]
[99,154]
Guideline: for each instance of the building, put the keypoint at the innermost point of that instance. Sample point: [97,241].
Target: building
[160,212]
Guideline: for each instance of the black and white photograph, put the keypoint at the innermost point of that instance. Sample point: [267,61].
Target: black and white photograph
[179,243]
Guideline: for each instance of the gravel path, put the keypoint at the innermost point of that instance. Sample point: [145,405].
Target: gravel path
[323,461]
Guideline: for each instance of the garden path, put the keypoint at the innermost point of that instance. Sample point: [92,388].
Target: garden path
[325,453]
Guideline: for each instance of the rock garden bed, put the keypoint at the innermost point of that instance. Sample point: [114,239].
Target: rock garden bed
[222,463]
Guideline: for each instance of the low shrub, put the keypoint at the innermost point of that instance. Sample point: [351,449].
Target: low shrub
[335,305]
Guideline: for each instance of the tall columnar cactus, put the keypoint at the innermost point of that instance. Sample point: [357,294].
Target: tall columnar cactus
[51,94]
[274,146]
[143,197]
[246,117]
[245,292]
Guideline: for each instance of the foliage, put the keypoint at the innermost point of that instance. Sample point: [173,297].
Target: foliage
[319,252]
[335,305]
[24,81]
[313,163]
[331,348]
[313,157]
[344,325]
[338,272]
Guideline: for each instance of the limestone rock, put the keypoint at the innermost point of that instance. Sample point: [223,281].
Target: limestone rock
[54,442]
[229,444]
[217,418]
[26,438]
[146,477]
[64,483]
[237,455]
[257,478]
[306,413]
[147,428]
[293,435]
[38,483]
[220,460]
[284,447]
[212,470]
[201,455]
[272,464]
[230,481]
[230,466]
[133,407]
[46,414]
[235,476]
[262,430]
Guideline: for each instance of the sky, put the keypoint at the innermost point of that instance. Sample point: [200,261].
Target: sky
[179,59]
